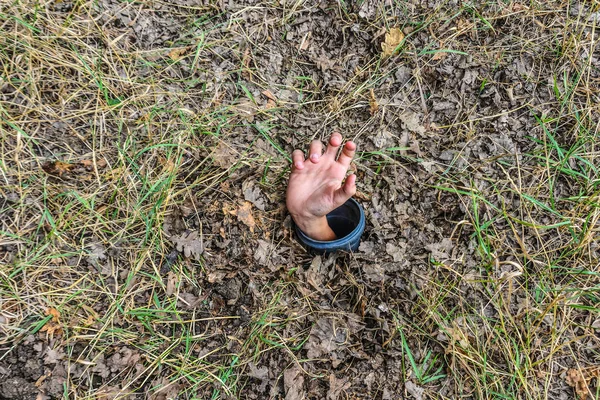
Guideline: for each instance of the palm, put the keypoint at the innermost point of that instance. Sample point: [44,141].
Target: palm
[313,189]
[315,186]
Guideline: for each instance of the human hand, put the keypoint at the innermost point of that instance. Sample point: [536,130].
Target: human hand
[315,186]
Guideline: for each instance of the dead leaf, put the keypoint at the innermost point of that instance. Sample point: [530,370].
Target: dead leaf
[52,327]
[246,110]
[305,43]
[253,194]
[246,58]
[41,380]
[519,7]
[314,274]
[393,38]
[362,196]
[373,106]
[263,252]
[261,373]
[325,336]
[100,366]
[366,247]
[224,155]
[171,283]
[97,254]
[336,386]
[57,167]
[188,207]
[53,356]
[415,148]
[412,122]
[189,300]
[244,214]
[108,392]
[189,243]
[293,381]
[270,104]
[579,379]
[269,95]
[441,251]
[125,358]
[177,53]
[54,312]
[374,272]
[215,276]
[440,55]
[89,164]
[271,99]
[414,390]
[397,252]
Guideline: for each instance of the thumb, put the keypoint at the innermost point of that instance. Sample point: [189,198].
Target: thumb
[341,195]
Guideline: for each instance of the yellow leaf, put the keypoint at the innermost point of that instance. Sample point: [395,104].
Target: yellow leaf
[579,379]
[271,99]
[89,164]
[41,380]
[54,312]
[393,38]
[440,55]
[51,329]
[244,214]
[177,53]
[89,320]
[246,59]
[57,167]
[269,95]
[270,104]
[373,106]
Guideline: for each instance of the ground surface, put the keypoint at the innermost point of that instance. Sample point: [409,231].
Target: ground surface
[145,249]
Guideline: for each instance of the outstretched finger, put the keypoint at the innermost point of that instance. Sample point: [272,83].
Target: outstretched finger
[334,144]
[346,191]
[298,159]
[315,150]
[348,152]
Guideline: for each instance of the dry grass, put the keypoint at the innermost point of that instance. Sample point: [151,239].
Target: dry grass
[104,140]
[86,237]
[533,221]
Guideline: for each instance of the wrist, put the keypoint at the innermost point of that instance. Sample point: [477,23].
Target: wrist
[316,228]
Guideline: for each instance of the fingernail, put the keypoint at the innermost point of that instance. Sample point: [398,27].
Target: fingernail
[314,157]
